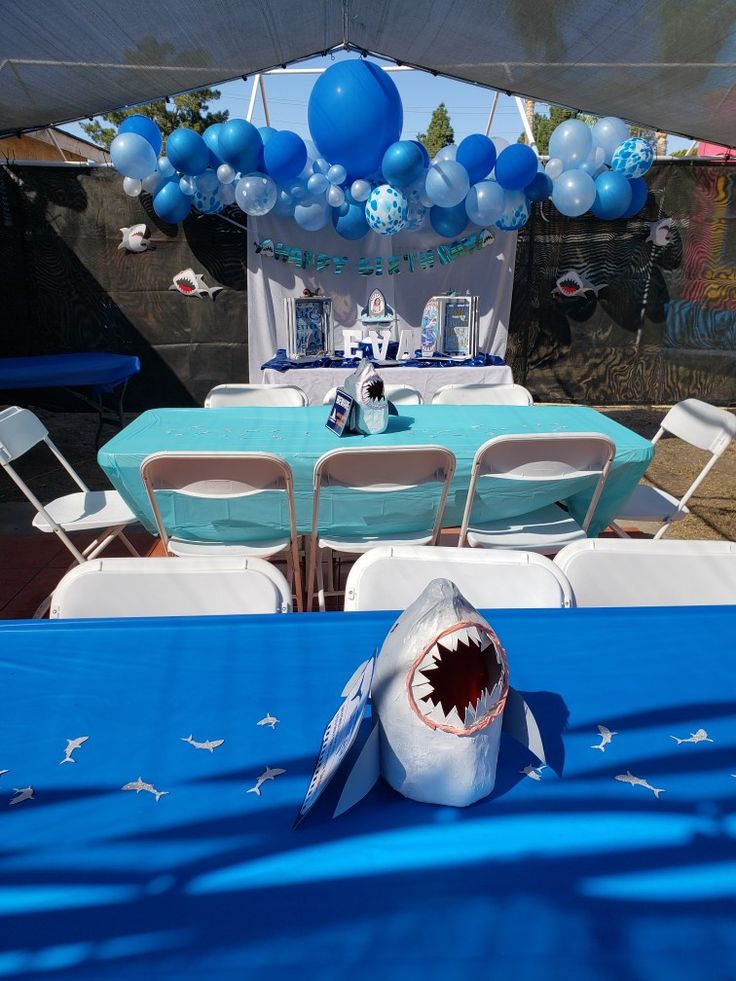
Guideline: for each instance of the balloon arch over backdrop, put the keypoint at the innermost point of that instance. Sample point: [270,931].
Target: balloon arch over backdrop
[357,174]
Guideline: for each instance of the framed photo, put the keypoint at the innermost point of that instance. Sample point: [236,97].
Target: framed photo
[460,326]
[376,310]
[309,326]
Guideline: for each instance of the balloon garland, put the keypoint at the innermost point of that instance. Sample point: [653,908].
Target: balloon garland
[357,175]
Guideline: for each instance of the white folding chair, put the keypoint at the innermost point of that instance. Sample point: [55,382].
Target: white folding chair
[84,511]
[226,396]
[703,426]
[645,572]
[398,394]
[517,465]
[223,479]
[159,587]
[390,577]
[482,395]
[382,470]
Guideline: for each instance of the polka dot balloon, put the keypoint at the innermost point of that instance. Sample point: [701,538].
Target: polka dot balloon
[632,158]
[386,210]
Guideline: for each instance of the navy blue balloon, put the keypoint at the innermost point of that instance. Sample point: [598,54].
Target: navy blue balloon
[402,163]
[477,154]
[211,137]
[352,225]
[639,192]
[240,145]
[449,222]
[422,147]
[284,156]
[187,152]
[144,127]
[516,166]
[612,196]
[540,188]
[170,203]
[355,114]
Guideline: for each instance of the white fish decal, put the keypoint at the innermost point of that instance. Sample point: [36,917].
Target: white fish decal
[209,744]
[71,746]
[629,778]
[571,283]
[134,239]
[4,771]
[139,785]
[701,736]
[270,773]
[23,793]
[660,232]
[606,737]
[268,720]
[190,283]
[534,772]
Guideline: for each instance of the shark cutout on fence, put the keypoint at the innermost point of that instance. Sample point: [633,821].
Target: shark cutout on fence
[370,411]
[440,699]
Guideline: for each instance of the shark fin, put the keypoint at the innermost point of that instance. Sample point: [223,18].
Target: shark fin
[363,776]
[519,722]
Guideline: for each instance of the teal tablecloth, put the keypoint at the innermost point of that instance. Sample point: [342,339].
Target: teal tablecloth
[300,437]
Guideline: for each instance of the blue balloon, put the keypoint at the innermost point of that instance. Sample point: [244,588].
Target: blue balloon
[188,152]
[144,127]
[132,155]
[633,157]
[285,205]
[477,154]
[170,204]
[402,163]
[266,133]
[312,216]
[449,222]
[386,210]
[515,211]
[540,187]
[516,166]
[211,137]
[284,155]
[240,145]
[447,183]
[355,114]
[352,225]
[612,196]
[573,193]
[423,150]
[639,192]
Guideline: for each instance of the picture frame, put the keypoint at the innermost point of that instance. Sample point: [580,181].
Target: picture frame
[309,326]
[449,326]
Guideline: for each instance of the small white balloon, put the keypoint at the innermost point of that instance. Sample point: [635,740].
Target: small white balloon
[336,174]
[554,168]
[187,185]
[226,174]
[165,167]
[335,196]
[132,186]
[152,182]
[360,190]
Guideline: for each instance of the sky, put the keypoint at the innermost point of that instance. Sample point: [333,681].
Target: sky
[468,105]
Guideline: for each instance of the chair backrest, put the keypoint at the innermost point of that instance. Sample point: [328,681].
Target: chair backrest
[383,470]
[169,587]
[226,396]
[390,577]
[215,476]
[482,395]
[635,572]
[398,394]
[543,458]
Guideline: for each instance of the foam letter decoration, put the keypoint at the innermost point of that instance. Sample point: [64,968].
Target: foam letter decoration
[380,343]
[350,339]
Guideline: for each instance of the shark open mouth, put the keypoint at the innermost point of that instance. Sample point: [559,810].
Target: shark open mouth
[371,390]
[459,682]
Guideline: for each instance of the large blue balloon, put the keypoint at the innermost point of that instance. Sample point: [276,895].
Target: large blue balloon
[449,222]
[540,187]
[188,152]
[240,145]
[355,115]
[516,166]
[284,155]
[639,192]
[170,204]
[144,127]
[423,151]
[352,225]
[402,164]
[612,196]
[477,154]
[211,137]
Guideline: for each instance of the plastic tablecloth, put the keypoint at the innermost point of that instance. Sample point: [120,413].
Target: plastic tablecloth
[574,875]
[94,369]
[299,435]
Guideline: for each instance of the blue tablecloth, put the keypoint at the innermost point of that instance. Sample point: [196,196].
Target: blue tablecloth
[572,876]
[97,370]
[300,436]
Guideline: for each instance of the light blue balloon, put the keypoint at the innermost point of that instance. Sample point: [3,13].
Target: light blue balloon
[165,168]
[208,202]
[485,203]
[573,193]
[633,158]
[313,216]
[360,190]
[317,184]
[256,194]
[153,182]
[335,196]
[226,194]
[386,210]
[609,133]
[188,185]
[416,216]
[447,183]
[448,152]
[133,156]
[337,174]
[321,166]
[298,190]
[207,183]
[515,212]
[571,141]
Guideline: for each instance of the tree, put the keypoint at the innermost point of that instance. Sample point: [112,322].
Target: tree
[543,126]
[439,132]
[191,110]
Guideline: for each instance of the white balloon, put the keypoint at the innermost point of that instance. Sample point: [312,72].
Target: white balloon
[360,190]
[226,174]
[554,168]
[132,186]
[153,182]
[335,196]
[165,167]
[187,185]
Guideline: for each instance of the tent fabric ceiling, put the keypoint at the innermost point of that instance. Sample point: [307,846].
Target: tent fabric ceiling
[661,64]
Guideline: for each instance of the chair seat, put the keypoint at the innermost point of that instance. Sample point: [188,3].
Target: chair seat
[547,529]
[650,504]
[86,512]
[357,546]
[233,550]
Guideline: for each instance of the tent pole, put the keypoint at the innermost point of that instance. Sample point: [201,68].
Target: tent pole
[252,100]
[492,113]
[262,87]
[526,124]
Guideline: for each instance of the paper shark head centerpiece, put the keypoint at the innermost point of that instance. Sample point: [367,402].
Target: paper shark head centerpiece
[370,411]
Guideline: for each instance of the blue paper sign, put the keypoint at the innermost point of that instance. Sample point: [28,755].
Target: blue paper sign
[340,412]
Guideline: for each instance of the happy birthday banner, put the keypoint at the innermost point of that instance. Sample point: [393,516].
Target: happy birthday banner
[376,265]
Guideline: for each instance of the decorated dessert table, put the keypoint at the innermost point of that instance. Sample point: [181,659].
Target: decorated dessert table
[299,436]
[147,856]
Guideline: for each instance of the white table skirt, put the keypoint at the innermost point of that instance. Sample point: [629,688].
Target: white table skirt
[316,382]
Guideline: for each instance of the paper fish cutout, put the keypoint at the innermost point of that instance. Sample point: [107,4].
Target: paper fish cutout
[192,284]
[660,232]
[629,778]
[270,773]
[606,737]
[268,720]
[487,238]
[71,746]
[571,283]
[134,239]
[209,744]
[138,785]
[22,793]
[369,414]
[440,698]
[701,736]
